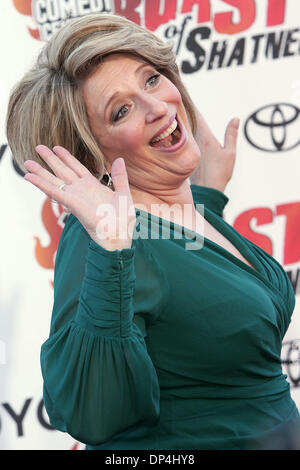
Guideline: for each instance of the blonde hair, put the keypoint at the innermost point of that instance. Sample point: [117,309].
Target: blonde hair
[46,106]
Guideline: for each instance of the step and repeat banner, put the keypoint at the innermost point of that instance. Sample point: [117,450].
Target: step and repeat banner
[237,58]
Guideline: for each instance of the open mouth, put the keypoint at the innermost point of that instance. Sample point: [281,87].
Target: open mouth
[169,138]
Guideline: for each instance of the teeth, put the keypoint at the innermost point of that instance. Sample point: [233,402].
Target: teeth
[167,132]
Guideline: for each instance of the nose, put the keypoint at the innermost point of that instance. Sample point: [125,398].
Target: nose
[155,108]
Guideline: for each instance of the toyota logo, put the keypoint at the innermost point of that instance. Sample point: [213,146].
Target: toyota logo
[274,128]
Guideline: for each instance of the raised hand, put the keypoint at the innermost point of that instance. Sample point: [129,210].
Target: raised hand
[217,162]
[107,215]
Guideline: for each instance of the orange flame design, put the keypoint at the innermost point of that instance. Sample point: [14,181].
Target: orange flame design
[45,255]
[75,446]
[24,7]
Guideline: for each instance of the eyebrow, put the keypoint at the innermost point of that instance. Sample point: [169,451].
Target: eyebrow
[117,93]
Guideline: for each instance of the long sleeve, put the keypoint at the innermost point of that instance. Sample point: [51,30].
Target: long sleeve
[214,199]
[98,377]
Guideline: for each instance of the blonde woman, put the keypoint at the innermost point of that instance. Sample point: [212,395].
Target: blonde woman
[152,345]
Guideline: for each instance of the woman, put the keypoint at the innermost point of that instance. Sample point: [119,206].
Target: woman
[152,345]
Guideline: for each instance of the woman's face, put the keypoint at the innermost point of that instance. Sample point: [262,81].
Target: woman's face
[138,114]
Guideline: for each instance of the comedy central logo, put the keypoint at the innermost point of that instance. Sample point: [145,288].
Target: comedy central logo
[274,127]
[51,15]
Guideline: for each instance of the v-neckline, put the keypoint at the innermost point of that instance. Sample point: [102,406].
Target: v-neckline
[260,273]
[238,243]
[241,246]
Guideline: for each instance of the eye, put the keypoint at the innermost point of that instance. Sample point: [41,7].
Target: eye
[153,79]
[120,113]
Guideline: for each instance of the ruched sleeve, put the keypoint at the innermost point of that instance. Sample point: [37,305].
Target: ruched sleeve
[98,377]
[214,199]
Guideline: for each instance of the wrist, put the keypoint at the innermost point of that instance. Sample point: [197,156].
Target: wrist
[113,244]
[206,184]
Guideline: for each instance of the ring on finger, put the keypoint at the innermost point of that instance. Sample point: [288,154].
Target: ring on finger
[62,188]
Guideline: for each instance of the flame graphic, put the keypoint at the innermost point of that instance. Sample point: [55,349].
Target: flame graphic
[24,7]
[45,255]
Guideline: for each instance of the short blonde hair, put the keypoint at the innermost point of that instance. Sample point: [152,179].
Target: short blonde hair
[46,106]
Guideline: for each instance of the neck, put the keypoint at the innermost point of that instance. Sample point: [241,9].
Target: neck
[179,195]
[175,205]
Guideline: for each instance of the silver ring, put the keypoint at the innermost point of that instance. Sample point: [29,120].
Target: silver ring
[62,186]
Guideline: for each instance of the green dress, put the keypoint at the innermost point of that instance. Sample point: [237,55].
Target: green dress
[163,347]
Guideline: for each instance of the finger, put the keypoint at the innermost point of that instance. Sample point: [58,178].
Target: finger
[202,127]
[231,134]
[60,169]
[70,161]
[204,136]
[37,169]
[119,175]
[51,190]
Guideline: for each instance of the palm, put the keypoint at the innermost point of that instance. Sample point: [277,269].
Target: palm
[217,163]
[108,216]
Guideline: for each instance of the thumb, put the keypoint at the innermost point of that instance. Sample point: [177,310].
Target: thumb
[119,175]
[231,134]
